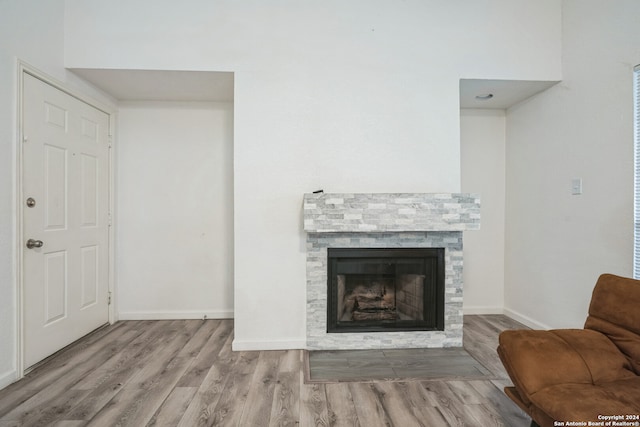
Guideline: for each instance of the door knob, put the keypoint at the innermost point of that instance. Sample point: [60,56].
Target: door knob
[31,243]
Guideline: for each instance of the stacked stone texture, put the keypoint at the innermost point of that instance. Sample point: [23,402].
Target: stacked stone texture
[386,221]
[391,212]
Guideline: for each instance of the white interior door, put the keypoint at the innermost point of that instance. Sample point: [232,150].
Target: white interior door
[65,219]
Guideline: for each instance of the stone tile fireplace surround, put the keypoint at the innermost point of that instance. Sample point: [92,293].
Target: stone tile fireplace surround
[382,220]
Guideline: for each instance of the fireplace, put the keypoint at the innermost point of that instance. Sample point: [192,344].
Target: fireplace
[347,222]
[385,289]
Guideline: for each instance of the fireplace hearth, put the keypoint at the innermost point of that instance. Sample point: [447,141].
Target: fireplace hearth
[385,289]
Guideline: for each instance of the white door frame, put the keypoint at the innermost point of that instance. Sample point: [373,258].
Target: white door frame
[24,68]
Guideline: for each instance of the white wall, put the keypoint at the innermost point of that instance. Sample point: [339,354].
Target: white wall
[558,244]
[482,149]
[31,31]
[174,210]
[358,96]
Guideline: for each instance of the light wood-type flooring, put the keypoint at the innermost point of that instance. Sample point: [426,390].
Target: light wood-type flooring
[183,372]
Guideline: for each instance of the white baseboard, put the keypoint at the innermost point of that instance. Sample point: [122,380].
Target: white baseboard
[8,378]
[239,345]
[525,320]
[175,315]
[482,310]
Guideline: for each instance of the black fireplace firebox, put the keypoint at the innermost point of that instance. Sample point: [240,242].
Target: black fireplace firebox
[385,289]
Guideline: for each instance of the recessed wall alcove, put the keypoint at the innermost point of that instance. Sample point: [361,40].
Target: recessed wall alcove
[173,154]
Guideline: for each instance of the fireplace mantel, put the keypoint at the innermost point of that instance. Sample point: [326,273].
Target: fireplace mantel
[384,212]
[386,220]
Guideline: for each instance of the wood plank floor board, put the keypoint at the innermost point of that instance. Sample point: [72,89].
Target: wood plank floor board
[171,410]
[144,342]
[198,341]
[50,397]
[481,339]
[68,365]
[465,392]
[396,406]
[261,390]
[449,405]
[207,353]
[183,372]
[482,416]
[125,363]
[81,349]
[418,395]
[153,381]
[229,407]
[48,412]
[202,409]
[110,378]
[285,407]
[369,408]
[313,405]
[68,423]
[138,404]
[432,416]
[167,348]
[340,406]
[500,405]
[423,405]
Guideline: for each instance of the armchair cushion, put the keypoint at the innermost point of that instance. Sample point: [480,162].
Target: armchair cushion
[536,360]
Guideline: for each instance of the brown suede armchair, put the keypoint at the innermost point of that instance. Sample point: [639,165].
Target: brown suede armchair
[567,377]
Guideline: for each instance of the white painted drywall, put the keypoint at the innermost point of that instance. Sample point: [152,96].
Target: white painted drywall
[174,210]
[318,84]
[557,243]
[30,31]
[358,96]
[482,149]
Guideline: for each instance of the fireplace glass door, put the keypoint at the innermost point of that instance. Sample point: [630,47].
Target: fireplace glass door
[375,290]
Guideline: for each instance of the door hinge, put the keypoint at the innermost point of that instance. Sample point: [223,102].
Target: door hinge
[109,219]
[109,299]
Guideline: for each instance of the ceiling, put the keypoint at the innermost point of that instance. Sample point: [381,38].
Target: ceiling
[506,93]
[215,86]
[161,85]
